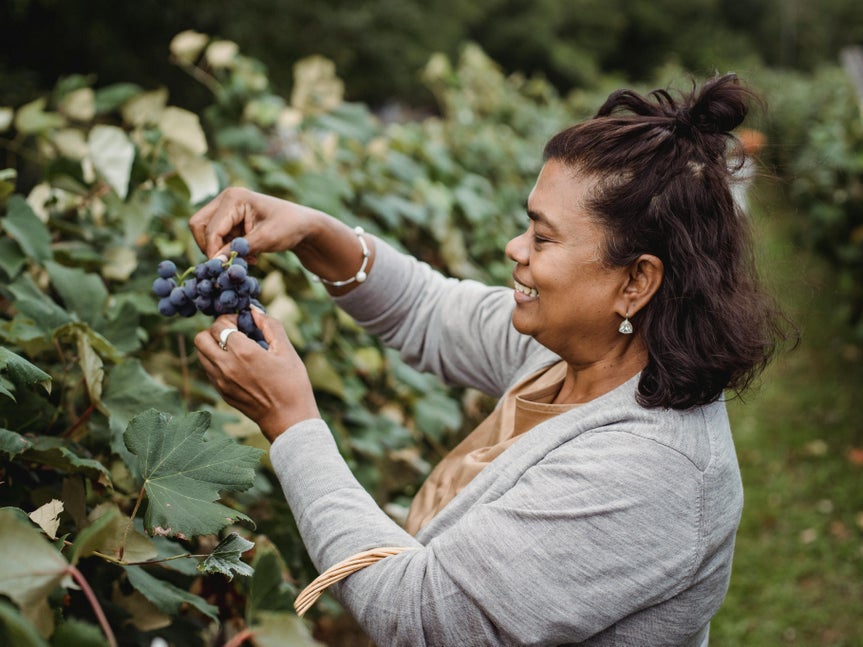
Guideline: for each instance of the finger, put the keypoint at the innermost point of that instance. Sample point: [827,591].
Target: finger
[274,332]
[225,227]
[207,348]
[223,328]
[198,222]
[219,221]
[221,323]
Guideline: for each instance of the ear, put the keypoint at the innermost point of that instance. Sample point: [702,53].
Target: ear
[643,280]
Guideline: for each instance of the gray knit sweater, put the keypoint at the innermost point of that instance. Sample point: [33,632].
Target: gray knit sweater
[611,524]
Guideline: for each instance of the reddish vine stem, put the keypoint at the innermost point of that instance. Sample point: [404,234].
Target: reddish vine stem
[240,638]
[80,421]
[94,602]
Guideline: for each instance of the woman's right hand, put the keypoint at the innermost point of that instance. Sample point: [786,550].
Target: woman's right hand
[269,224]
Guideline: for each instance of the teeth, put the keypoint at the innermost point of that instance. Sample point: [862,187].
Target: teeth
[531,292]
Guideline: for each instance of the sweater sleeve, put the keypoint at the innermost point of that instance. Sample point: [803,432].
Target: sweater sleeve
[460,330]
[600,528]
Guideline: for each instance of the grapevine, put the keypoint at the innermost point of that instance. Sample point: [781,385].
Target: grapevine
[213,287]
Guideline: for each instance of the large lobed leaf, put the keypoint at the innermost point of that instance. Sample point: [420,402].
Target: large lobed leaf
[183,472]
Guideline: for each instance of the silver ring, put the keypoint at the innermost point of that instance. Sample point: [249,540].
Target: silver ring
[223,337]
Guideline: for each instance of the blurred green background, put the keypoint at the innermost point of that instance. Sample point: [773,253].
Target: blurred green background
[798,576]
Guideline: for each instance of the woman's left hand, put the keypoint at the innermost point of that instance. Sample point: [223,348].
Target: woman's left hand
[269,386]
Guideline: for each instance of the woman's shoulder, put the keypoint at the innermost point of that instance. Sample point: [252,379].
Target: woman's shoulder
[700,435]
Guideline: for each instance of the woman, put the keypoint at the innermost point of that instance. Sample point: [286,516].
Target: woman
[599,502]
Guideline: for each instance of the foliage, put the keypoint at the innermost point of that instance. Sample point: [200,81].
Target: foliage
[145,486]
[819,120]
[380,46]
[96,388]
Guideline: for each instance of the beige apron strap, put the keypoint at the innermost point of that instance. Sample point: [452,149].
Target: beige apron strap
[337,572]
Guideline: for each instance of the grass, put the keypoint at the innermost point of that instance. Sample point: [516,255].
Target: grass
[798,569]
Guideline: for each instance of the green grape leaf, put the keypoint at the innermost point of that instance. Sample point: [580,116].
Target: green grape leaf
[225,558]
[165,596]
[78,633]
[32,118]
[129,390]
[12,259]
[22,223]
[37,568]
[13,443]
[183,472]
[57,453]
[275,629]
[17,630]
[268,588]
[32,303]
[22,372]
[83,293]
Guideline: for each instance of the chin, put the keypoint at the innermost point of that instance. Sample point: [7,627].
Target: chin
[519,326]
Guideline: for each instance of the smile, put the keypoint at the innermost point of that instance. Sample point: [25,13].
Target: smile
[531,292]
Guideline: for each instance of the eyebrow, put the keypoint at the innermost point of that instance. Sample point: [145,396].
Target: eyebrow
[539,218]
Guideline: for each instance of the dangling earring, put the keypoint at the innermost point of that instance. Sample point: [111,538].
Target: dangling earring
[625,327]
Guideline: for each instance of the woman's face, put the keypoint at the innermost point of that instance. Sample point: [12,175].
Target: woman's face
[566,298]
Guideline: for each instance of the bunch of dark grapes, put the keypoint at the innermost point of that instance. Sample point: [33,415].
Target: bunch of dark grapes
[213,288]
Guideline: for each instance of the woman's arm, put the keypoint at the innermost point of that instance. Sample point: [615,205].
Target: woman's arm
[325,246]
[457,329]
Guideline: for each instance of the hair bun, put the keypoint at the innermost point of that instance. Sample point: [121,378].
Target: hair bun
[718,108]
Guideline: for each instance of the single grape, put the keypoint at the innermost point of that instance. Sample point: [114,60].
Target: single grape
[228,299]
[214,266]
[162,287]
[245,321]
[241,246]
[202,271]
[178,296]
[223,281]
[190,287]
[237,273]
[167,269]
[243,302]
[203,302]
[188,309]
[166,308]
[242,262]
[205,287]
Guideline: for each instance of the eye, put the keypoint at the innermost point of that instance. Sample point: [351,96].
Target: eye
[538,241]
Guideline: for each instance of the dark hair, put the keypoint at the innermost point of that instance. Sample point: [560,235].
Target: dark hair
[663,171]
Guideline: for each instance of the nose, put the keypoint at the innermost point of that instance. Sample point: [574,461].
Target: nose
[517,249]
